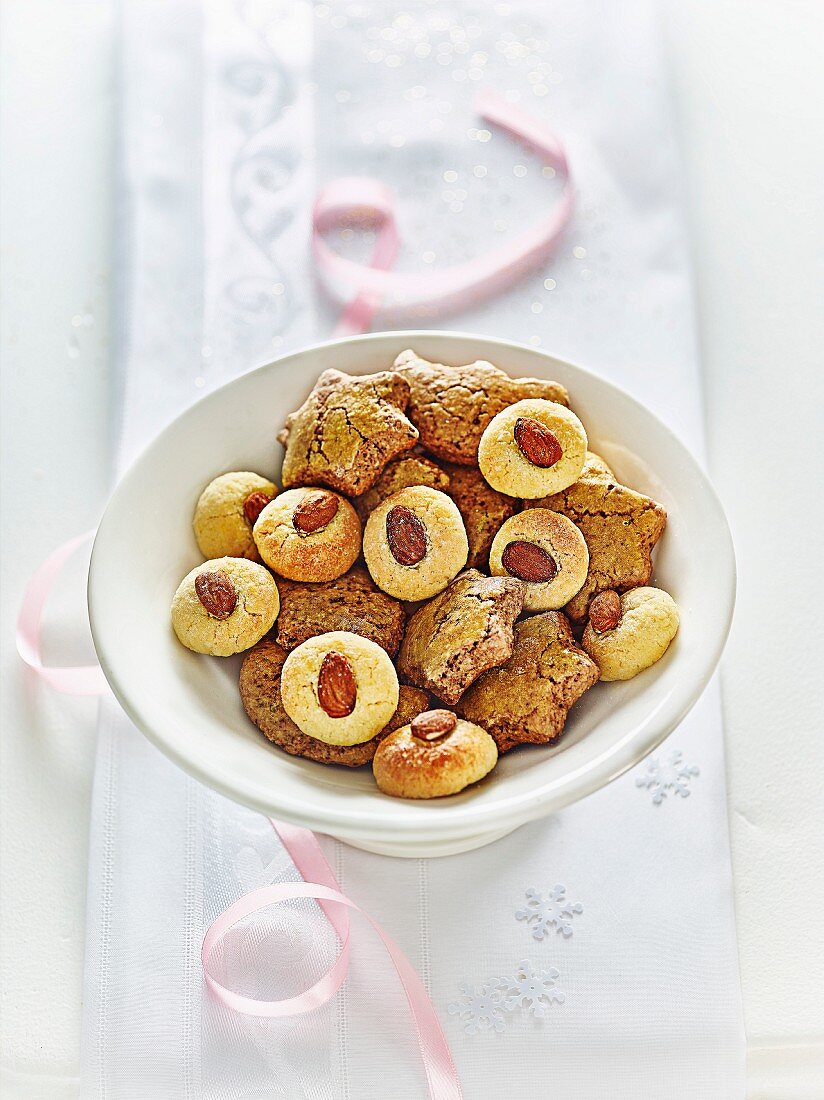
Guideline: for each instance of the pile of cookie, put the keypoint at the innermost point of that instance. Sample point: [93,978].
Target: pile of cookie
[445,573]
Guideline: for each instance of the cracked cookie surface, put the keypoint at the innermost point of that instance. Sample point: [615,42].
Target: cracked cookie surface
[401,473]
[483,508]
[260,694]
[451,406]
[621,528]
[527,700]
[244,603]
[346,431]
[460,633]
[353,602]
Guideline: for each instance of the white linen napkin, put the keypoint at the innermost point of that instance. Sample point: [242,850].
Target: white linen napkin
[231,116]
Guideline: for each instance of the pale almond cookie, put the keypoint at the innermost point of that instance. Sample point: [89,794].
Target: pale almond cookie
[626,634]
[547,552]
[309,535]
[436,755]
[224,606]
[415,543]
[533,448]
[226,513]
[339,688]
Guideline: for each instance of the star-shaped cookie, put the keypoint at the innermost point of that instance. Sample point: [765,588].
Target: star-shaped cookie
[620,527]
[353,602]
[451,406]
[526,700]
[260,693]
[460,633]
[346,431]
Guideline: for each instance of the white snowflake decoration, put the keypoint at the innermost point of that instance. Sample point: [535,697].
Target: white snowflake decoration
[481,1008]
[546,914]
[533,990]
[672,777]
[484,1008]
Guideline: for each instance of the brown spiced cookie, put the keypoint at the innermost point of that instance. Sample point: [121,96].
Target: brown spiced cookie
[460,633]
[620,526]
[483,510]
[260,693]
[346,431]
[401,473]
[526,701]
[353,602]
[451,406]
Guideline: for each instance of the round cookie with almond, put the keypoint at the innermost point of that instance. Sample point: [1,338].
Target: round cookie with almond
[628,633]
[226,513]
[415,543]
[533,448]
[546,551]
[339,688]
[436,755]
[225,606]
[309,535]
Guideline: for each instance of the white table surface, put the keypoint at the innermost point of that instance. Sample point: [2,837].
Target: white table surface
[749,84]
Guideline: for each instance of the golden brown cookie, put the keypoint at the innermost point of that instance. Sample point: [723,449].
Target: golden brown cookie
[435,755]
[308,535]
[339,688]
[483,510]
[227,511]
[346,431]
[460,633]
[620,526]
[224,606]
[401,473]
[626,634]
[526,700]
[451,406]
[547,552]
[415,543]
[260,693]
[532,448]
[353,602]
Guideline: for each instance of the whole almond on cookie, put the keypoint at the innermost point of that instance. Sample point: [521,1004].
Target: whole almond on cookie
[528,562]
[315,512]
[337,687]
[433,724]
[605,611]
[216,592]
[536,442]
[406,535]
[254,505]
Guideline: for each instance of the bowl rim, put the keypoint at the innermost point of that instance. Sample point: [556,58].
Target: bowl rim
[513,810]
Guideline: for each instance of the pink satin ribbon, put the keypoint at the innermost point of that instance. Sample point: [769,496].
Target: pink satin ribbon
[368,287]
[80,680]
[321,884]
[367,202]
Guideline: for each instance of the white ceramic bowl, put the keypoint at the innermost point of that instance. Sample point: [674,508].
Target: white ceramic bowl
[189,704]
